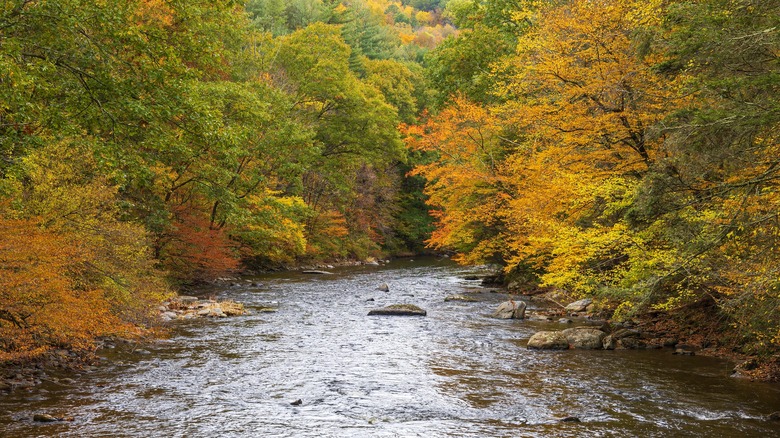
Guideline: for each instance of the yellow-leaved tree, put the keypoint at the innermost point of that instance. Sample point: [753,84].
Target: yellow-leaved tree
[465,179]
[585,100]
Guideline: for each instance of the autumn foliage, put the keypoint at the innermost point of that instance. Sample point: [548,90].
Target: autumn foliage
[43,304]
[146,145]
[625,151]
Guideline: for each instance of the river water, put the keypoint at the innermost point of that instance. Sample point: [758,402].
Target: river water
[455,373]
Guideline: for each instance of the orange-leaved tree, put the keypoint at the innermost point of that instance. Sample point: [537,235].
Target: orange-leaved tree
[465,179]
[42,305]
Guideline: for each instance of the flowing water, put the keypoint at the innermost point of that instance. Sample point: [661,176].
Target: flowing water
[455,373]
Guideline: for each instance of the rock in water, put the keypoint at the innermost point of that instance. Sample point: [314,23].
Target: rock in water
[316,272]
[384,287]
[297,402]
[548,340]
[585,337]
[623,338]
[45,418]
[463,298]
[399,310]
[579,306]
[510,310]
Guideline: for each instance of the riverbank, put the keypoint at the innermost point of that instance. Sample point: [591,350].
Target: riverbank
[696,329]
[699,329]
[25,374]
[455,372]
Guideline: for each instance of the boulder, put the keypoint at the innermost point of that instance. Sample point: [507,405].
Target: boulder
[623,338]
[548,340]
[579,306]
[463,298]
[510,310]
[384,287]
[585,337]
[398,310]
[317,272]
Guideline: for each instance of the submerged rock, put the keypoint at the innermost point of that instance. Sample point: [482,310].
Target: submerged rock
[463,298]
[548,340]
[510,310]
[399,310]
[265,309]
[45,418]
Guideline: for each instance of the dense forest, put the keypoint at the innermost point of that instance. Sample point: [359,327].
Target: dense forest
[623,150]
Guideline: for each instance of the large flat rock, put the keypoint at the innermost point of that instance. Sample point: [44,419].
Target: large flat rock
[398,310]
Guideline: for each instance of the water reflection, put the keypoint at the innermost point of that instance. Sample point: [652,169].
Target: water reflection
[454,373]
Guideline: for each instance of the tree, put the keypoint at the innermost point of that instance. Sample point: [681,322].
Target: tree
[465,185]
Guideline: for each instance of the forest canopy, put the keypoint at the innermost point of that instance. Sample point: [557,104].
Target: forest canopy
[148,144]
[622,150]
[616,149]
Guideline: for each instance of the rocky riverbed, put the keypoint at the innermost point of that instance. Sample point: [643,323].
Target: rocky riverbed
[188,307]
[320,366]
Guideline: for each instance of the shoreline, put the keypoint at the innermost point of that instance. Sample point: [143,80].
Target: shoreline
[657,329]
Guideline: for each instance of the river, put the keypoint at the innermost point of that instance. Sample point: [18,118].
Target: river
[455,373]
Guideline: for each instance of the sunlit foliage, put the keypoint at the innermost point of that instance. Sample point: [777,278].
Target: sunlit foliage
[636,151]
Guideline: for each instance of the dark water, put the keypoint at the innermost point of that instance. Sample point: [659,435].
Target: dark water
[454,373]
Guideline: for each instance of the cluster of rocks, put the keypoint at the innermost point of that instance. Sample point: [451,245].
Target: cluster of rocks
[600,338]
[597,335]
[187,307]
